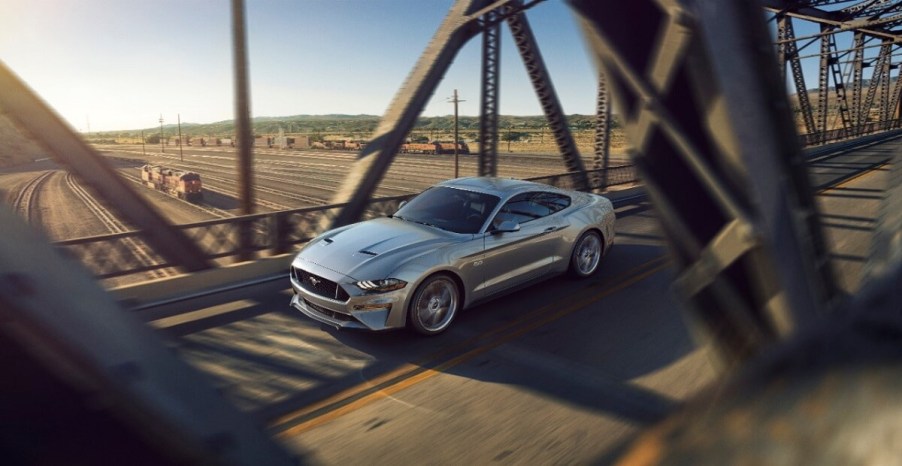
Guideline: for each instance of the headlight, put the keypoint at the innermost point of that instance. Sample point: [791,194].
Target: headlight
[381,286]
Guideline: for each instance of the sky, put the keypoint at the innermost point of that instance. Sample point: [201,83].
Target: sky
[116,65]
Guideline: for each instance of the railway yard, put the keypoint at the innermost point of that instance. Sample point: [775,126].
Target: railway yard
[48,197]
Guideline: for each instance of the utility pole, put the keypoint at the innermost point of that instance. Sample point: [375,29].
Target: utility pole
[181,143]
[143,149]
[163,150]
[509,136]
[454,100]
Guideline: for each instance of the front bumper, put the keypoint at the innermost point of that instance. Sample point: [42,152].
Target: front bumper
[363,311]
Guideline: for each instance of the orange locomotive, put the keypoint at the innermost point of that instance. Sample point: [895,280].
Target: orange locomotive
[184,185]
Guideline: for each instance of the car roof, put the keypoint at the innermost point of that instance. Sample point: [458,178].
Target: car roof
[501,187]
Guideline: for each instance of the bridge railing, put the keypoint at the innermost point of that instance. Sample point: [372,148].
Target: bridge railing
[125,254]
[841,134]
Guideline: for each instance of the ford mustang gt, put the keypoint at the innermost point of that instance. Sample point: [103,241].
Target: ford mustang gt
[456,244]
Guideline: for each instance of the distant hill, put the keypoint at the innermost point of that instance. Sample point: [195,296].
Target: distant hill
[355,126]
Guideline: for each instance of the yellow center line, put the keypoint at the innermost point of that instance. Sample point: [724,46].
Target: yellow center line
[853,178]
[411,368]
[417,374]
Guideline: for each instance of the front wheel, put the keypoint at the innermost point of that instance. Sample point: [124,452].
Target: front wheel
[434,305]
[586,255]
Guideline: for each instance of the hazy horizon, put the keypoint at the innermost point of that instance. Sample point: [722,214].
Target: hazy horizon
[105,65]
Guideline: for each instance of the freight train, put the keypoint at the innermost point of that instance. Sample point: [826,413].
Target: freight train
[434,148]
[184,185]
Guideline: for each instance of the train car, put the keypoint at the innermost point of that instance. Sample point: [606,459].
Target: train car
[182,184]
[355,144]
[421,148]
[448,148]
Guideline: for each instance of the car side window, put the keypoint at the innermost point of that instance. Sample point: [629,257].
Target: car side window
[526,207]
[553,201]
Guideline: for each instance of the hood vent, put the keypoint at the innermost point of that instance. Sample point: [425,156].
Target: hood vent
[370,253]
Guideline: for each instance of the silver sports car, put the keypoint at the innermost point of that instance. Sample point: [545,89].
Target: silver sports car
[458,243]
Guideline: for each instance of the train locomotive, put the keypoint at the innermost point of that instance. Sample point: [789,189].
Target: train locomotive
[434,147]
[182,184]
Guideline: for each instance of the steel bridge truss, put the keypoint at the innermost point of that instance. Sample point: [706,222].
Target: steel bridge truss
[854,62]
[715,143]
[703,168]
[465,20]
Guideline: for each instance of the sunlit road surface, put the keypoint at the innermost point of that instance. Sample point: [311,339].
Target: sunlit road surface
[562,372]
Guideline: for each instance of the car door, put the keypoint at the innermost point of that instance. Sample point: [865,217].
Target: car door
[514,257]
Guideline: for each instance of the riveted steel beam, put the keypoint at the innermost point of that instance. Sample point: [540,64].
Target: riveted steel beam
[877,77]
[858,43]
[836,19]
[67,148]
[488,114]
[465,20]
[823,82]
[458,27]
[716,146]
[551,106]
[791,52]
[896,97]
[602,132]
[885,96]
[839,85]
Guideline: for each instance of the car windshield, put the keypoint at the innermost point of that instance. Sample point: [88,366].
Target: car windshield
[450,209]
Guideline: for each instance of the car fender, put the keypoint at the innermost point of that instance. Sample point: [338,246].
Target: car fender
[464,267]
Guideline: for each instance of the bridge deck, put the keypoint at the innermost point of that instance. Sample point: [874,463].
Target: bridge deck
[562,372]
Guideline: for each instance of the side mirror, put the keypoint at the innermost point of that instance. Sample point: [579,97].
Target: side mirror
[507,226]
[402,204]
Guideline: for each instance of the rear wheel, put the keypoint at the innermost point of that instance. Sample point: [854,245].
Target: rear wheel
[586,255]
[434,305]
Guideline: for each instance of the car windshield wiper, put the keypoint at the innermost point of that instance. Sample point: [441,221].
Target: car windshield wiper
[425,223]
[397,217]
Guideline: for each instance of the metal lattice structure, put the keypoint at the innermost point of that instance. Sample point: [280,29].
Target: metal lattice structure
[856,42]
[488,123]
[704,104]
[465,20]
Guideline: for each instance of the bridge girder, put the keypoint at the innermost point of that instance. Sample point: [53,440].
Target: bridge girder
[716,146]
[466,19]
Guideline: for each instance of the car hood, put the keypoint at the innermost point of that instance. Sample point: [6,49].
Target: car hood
[370,250]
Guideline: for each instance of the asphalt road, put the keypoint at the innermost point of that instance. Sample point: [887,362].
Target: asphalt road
[559,372]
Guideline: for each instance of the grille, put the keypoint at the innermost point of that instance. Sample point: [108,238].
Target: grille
[319,285]
[328,312]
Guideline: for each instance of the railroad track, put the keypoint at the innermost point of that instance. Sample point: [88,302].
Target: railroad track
[324,172]
[115,226]
[25,199]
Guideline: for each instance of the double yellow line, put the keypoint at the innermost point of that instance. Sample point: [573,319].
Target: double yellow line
[410,374]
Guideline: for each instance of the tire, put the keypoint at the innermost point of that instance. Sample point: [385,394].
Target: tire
[586,255]
[434,305]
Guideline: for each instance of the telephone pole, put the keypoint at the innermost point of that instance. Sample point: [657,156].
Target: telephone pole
[454,100]
[181,153]
[161,134]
